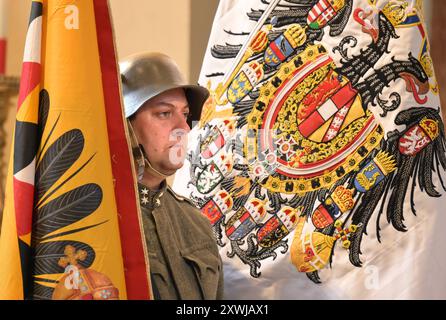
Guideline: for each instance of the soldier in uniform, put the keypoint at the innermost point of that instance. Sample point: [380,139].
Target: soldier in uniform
[160,107]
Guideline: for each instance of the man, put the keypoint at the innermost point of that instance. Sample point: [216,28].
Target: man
[183,255]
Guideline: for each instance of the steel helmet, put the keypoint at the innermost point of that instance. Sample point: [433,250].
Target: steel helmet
[146,75]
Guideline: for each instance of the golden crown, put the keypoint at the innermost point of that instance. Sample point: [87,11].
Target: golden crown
[295,35]
[430,126]
[385,162]
[426,62]
[259,42]
[343,198]
[396,11]
[337,4]
[72,256]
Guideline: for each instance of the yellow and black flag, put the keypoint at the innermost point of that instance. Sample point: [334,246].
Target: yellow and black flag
[71,225]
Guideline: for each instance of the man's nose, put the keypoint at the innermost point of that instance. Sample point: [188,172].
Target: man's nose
[183,125]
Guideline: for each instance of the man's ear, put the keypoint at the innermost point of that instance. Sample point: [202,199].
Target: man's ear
[137,152]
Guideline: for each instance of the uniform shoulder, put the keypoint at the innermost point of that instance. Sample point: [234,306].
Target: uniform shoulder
[181,198]
[190,205]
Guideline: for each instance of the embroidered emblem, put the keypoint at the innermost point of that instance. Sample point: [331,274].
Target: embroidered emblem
[79,283]
[292,154]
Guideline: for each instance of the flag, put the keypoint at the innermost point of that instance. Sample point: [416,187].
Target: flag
[337,139]
[71,225]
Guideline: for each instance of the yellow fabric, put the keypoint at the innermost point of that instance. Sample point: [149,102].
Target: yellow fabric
[28,111]
[10,275]
[71,73]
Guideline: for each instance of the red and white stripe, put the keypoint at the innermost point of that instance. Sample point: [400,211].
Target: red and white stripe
[318,8]
[236,224]
[23,180]
[31,70]
[316,11]
[213,147]
[327,110]
[336,124]
[327,15]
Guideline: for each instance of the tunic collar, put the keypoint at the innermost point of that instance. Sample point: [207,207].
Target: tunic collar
[151,199]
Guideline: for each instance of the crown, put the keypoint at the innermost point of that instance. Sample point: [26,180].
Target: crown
[430,126]
[288,216]
[254,72]
[337,4]
[427,64]
[72,256]
[259,42]
[295,35]
[225,164]
[226,126]
[224,201]
[256,208]
[343,198]
[395,12]
[385,162]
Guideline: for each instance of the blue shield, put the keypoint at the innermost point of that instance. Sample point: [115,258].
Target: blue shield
[278,51]
[368,177]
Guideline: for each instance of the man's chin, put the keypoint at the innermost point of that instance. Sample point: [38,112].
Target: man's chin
[171,168]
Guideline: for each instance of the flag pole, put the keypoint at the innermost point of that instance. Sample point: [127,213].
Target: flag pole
[4,4]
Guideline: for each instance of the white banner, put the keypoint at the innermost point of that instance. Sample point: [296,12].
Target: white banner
[320,156]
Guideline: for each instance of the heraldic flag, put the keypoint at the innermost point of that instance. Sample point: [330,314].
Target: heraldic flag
[71,224]
[320,155]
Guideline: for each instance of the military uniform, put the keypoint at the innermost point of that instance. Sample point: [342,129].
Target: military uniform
[183,255]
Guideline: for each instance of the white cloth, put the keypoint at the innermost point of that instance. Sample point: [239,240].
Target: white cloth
[402,265]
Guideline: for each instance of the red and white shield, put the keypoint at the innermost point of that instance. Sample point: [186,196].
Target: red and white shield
[323,11]
[338,104]
[418,137]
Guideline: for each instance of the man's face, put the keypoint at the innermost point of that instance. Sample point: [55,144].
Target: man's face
[161,128]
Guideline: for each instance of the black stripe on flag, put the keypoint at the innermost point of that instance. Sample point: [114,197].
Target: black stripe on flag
[36,11]
[25,144]
[26,264]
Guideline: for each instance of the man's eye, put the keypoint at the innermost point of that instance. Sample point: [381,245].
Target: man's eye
[187,115]
[165,114]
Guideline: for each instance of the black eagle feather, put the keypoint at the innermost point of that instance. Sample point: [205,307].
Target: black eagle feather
[42,292]
[44,108]
[59,157]
[67,209]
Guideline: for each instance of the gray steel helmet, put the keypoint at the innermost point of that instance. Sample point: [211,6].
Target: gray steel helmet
[146,75]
